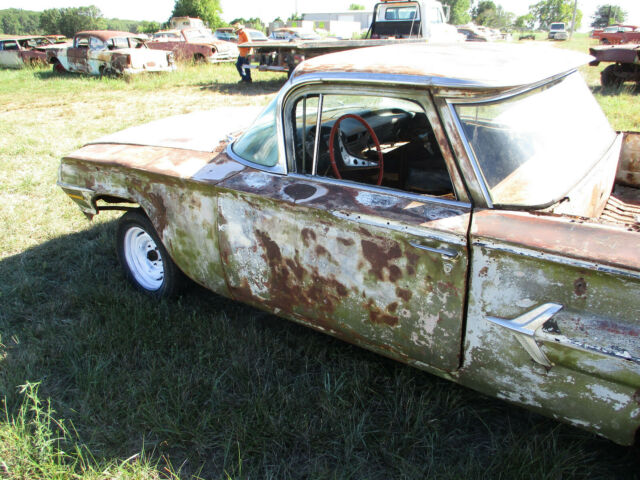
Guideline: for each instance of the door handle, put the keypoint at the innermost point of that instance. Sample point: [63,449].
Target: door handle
[445,252]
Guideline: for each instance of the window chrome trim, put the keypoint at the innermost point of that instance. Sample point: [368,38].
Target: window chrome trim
[452,102]
[378,189]
[472,157]
[277,168]
[316,140]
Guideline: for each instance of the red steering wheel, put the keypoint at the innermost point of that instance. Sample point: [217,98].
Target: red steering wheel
[332,157]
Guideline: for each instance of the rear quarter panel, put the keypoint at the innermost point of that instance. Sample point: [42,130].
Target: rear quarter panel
[520,261]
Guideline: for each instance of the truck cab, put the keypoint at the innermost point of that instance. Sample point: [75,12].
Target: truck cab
[411,19]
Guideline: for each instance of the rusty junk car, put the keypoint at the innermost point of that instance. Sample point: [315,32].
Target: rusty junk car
[198,45]
[107,52]
[418,202]
[19,51]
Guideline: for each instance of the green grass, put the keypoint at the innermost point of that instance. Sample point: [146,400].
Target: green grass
[97,381]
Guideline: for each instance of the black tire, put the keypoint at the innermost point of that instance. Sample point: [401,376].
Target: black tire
[198,58]
[609,78]
[143,258]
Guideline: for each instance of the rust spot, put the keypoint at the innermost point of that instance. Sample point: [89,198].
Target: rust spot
[551,326]
[378,317]
[320,251]
[159,214]
[300,191]
[636,396]
[347,242]
[395,273]
[483,271]
[308,235]
[393,307]
[273,250]
[404,294]
[580,287]
[296,268]
[380,259]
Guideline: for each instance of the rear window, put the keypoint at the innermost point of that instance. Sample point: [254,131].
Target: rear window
[401,13]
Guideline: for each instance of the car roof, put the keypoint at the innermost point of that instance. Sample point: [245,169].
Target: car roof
[107,34]
[465,65]
[19,37]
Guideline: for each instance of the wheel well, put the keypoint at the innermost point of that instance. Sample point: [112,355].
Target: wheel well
[115,203]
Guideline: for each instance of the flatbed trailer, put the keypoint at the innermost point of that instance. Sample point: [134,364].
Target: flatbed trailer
[394,22]
[285,56]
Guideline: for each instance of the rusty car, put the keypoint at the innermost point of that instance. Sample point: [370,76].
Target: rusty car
[625,63]
[21,50]
[109,52]
[617,34]
[415,201]
[198,45]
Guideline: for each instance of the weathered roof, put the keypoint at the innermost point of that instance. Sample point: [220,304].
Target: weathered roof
[19,37]
[107,34]
[494,65]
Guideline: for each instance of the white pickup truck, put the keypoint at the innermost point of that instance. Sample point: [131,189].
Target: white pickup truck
[394,21]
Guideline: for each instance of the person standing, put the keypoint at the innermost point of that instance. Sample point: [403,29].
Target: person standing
[243,58]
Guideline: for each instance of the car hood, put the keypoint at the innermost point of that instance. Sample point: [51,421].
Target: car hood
[199,131]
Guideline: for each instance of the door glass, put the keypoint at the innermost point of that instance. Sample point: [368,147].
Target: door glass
[384,141]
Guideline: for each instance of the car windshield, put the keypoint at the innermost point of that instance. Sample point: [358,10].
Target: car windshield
[557,26]
[257,36]
[259,144]
[198,36]
[534,147]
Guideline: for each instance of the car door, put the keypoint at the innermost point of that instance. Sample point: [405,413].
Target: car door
[10,54]
[378,266]
[78,55]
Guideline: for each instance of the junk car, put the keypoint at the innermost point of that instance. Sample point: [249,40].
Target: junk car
[107,52]
[625,63]
[198,45]
[18,51]
[415,201]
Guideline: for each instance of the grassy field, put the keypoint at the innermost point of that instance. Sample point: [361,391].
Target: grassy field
[97,381]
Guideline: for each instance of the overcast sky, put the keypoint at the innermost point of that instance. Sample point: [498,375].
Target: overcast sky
[267,10]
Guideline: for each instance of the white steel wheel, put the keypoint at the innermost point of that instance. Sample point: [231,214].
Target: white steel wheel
[145,261]
[143,258]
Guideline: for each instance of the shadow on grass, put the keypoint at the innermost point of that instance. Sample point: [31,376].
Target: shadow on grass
[221,388]
[258,87]
[630,88]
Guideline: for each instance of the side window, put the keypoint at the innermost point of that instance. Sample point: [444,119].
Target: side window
[96,44]
[10,45]
[81,42]
[368,139]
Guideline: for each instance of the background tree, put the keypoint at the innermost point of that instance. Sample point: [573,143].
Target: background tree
[458,11]
[208,11]
[254,23]
[549,11]
[608,15]
[147,27]
[16,21]
[50,21]
[491,15]
[73,20]
[355,6]
[525,22]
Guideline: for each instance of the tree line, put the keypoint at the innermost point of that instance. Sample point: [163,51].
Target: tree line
[68,21]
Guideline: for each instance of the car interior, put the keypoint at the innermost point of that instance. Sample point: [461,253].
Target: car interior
[390,143]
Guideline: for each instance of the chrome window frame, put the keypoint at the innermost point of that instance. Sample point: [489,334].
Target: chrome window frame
[406,91]
[449,103]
